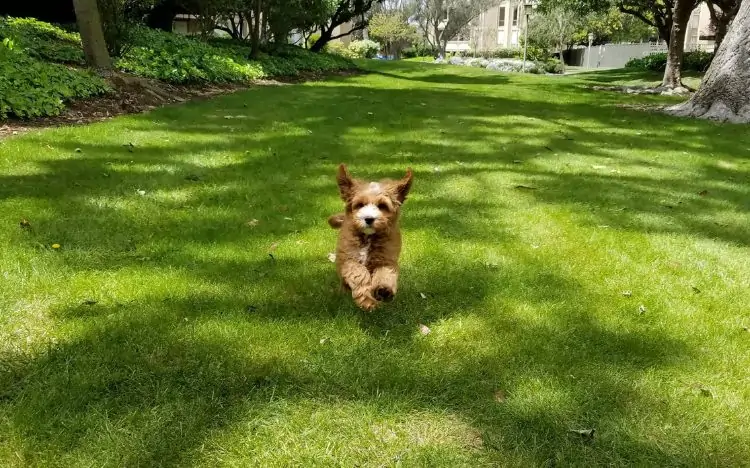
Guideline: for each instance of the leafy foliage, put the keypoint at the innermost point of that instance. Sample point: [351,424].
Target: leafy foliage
[32,88]
[355,49]
[181,59]
[42,40]
[392,30]
[693,61]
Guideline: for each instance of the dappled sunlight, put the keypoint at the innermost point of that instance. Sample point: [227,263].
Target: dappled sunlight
[191,311]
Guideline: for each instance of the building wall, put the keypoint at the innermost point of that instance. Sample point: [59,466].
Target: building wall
[487,32]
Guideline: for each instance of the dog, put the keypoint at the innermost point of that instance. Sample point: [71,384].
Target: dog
[369,240]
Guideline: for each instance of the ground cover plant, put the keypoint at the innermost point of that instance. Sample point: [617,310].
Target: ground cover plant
[573,291]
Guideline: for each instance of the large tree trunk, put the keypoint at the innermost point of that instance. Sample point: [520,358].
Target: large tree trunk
[680,18]
[325,37]
[92,36]
[724,95]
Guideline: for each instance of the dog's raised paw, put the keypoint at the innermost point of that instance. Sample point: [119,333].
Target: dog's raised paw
[383,294]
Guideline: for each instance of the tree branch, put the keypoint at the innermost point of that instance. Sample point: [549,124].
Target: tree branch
[637,14]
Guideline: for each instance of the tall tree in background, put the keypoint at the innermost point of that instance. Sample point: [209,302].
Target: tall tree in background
[680,18]
[341,12]
[723,94]
[92,35]
[722,13]
[442,20]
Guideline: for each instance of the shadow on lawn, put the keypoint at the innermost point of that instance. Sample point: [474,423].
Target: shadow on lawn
[152,370]
[165,375]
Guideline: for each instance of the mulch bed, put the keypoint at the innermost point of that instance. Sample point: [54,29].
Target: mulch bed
[133,95]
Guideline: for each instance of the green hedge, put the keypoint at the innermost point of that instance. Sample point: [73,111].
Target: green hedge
[181,59]
[34,83]
[692,61]
[32,88]
[42,40]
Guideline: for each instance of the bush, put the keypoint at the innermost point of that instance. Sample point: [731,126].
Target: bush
[181,59]
[32,88]
[312,39]
[692,61]
[42,40]
[364,48]
[551,66]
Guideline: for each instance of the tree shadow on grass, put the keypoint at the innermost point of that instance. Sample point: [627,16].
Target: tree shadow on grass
[166,373]
[165,376]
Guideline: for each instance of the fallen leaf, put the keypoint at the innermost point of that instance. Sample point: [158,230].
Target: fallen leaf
[584,433]
[525,187]
[89,302]
[703,193]
[324,340]
[140,192]
[250,308]
[695,290]
[517,161]
[422,295]
[55,246]
[332,257]
[603,226]
[534,246]
[424,329]
[549,149]
[500,396]
[627,293]
[78,150]
[436,169]
[370,113]
[340,118]
[25,224]
[706,392]
[273,246]
[192,177]
[642,309]
[287,218]
[598,167]
[252,223]
[747,329]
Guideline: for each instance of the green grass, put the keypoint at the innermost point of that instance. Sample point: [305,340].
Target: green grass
[203,350]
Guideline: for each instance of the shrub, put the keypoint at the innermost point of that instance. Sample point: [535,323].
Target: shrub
[42,40]
[32,88]
[692,61]
[312,39]
[364,48]
[551,66]
[181,59]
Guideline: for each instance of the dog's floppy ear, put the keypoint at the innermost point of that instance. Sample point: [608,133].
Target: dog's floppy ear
[345,182]
[403,186]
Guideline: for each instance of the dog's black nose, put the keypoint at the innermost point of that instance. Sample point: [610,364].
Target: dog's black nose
[369,221]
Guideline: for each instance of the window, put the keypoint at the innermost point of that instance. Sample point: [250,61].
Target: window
[445,15]
[514,38]
[515,16]
[501,17]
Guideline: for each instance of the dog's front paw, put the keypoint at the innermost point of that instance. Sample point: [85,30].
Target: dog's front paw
[365,301]
[383,294]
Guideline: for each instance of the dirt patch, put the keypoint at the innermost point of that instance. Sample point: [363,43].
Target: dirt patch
[133,95]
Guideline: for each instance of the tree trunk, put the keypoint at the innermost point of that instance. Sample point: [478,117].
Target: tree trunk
[92,36]
[680,18]
[325,38]
[723,95]
[255,29]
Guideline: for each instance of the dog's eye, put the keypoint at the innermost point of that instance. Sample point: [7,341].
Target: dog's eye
[382,207]
[358,205]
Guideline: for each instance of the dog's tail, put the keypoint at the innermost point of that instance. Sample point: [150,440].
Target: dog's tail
[336,221]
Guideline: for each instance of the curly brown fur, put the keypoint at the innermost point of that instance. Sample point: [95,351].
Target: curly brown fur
[369,241]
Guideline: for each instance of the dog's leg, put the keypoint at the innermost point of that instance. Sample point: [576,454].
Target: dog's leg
[385,283]
[358,279]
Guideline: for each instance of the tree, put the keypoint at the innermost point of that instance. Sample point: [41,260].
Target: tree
[722,13]
[612,26]
[555,27]
[442,20]
[391,29]
[343,11]
[723,95]
[680,18]
[92,37]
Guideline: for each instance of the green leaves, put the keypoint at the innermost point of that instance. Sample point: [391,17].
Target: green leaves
[31,88]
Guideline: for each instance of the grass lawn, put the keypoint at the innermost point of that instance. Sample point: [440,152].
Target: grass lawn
[161,331]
